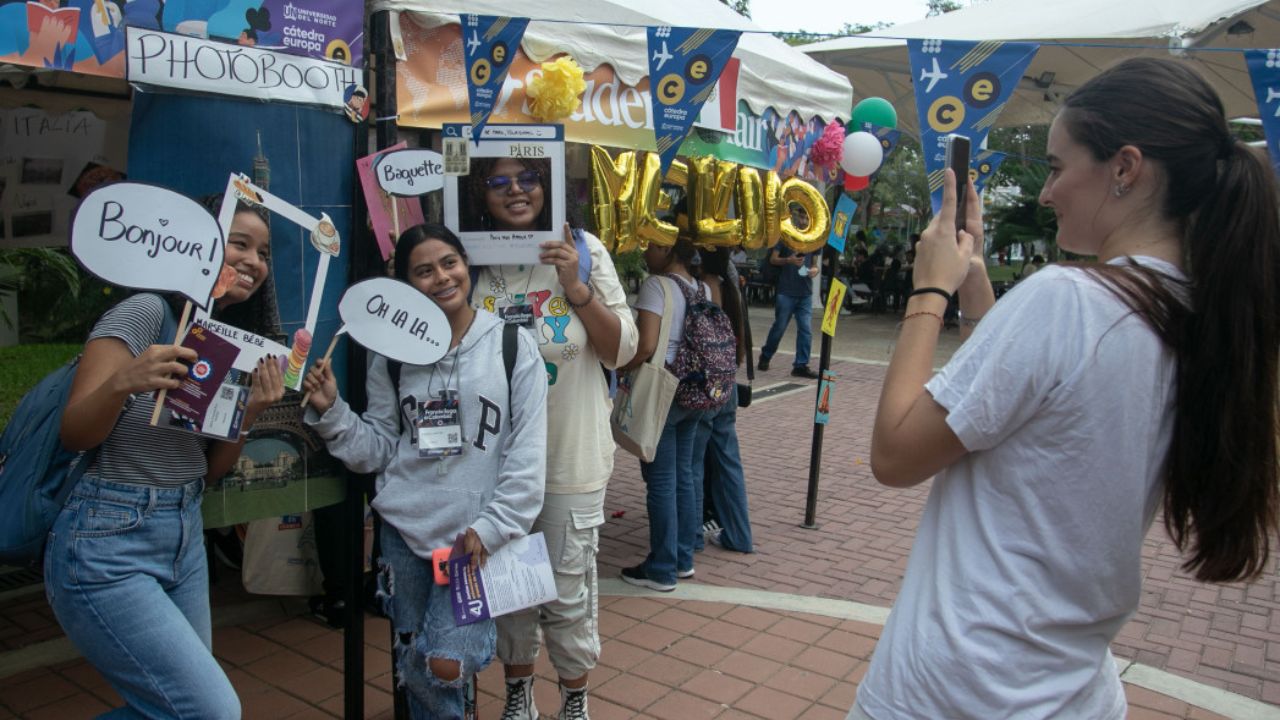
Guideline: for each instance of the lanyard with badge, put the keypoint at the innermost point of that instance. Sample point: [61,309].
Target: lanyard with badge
[518,312]
[439,422]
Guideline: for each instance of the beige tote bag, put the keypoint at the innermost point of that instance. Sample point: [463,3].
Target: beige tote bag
[645,393]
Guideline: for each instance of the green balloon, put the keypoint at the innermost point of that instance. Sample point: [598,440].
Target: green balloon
[874,110]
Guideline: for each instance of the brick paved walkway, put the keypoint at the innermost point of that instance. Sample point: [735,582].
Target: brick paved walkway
[671,657]
[1222,636]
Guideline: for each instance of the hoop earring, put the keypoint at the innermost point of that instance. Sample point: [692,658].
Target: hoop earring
[1120,190]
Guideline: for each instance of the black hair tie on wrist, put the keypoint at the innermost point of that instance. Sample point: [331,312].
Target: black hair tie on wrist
[937,290]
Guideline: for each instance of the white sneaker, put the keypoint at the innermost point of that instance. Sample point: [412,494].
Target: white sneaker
[573,704]
[519,704]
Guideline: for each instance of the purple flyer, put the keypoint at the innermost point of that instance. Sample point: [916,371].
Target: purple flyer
[466,590]
[215,357]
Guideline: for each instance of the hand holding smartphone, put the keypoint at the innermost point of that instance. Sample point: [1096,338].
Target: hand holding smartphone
[957,151]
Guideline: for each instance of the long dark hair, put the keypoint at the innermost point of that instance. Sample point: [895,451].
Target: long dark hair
[1221,499]
[259,314]
[482,168]
[715,266]
[418,234]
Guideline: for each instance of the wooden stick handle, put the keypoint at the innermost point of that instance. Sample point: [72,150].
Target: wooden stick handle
[328,353]
[182,330]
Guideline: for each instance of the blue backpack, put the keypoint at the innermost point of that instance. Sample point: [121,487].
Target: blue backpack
[37,473]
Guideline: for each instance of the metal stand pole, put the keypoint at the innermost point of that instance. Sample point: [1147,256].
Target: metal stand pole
[815,451]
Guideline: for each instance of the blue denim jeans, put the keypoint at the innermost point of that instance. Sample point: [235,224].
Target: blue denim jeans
[716,444]
[784,307]
[674,515]
[422,619]
[126,575]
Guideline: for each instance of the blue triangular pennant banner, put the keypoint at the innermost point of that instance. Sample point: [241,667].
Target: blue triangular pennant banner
[1264,69]
[684,65]
[961,87]
[490,44]
[983,166]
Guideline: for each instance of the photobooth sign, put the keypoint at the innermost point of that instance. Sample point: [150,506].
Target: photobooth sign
[146,237]
[196,65]
[512,199]
[961,87]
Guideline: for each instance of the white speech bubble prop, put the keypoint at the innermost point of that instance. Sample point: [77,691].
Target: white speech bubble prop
[411,172]
[148,238]
[393,319]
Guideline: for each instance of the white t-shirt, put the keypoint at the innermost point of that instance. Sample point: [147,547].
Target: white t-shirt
[1028,557]
[650,298]
[580,445]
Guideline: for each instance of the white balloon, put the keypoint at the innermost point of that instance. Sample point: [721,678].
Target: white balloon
[862,154]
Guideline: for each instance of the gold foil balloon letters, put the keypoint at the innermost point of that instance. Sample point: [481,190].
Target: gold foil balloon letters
[649,229]
[626,197]
[812,237]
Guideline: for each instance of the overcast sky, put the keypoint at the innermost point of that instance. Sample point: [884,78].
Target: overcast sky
[829,15]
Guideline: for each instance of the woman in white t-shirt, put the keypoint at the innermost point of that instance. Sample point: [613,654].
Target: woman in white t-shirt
[577,309]
[675,518]
[1090,398]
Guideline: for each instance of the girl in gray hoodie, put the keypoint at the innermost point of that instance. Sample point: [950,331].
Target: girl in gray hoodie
[482,479]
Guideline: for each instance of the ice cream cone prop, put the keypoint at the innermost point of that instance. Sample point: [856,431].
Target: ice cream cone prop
[182,330]
[328,353]
[297,358]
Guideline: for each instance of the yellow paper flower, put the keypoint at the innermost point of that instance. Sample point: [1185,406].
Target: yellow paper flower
[555,95]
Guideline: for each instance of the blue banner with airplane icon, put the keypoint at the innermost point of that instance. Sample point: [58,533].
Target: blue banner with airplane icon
[684,65]
[961,86]
[1264,70]
[491,43]
[983,166]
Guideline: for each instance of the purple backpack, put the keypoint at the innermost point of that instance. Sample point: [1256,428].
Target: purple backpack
[706,363]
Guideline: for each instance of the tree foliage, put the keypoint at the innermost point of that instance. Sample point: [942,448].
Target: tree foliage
[804,37]
[742,7]
[941,7]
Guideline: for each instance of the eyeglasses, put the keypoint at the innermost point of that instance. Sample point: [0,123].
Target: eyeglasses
[527,180]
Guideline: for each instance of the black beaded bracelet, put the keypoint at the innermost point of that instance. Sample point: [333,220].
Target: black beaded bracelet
[937,290]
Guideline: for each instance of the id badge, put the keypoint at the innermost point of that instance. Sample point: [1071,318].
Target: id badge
[517,315]
[439,430]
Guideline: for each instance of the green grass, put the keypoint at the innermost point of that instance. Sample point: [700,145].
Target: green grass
[22,366]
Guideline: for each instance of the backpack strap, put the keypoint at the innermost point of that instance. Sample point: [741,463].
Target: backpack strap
[664,331]
[393,371]
[584,254]
[509,352]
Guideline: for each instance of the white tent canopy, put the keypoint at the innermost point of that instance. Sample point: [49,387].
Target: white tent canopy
[772,73]
[879,67]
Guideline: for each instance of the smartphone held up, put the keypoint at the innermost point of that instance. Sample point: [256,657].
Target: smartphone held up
[957,148]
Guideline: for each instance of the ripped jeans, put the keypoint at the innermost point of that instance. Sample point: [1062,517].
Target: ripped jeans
[422,619]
